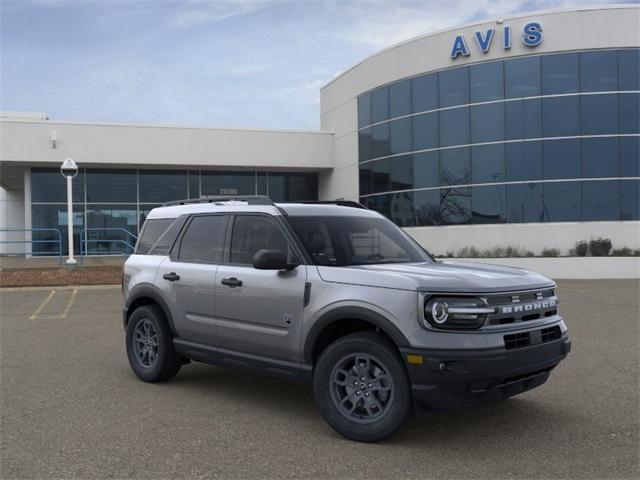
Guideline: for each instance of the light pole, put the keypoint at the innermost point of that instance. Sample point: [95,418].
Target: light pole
[69,170]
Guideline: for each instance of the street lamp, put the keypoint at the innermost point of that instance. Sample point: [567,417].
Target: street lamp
[69,170]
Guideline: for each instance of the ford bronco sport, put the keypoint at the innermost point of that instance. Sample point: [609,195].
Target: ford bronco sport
[335,294]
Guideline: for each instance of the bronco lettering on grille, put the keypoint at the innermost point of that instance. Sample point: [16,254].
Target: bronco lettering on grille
[528,307]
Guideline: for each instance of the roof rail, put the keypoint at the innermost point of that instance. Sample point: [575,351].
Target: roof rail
[342,203]
[250,199]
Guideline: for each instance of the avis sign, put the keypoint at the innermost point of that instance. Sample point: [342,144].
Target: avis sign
[531,37]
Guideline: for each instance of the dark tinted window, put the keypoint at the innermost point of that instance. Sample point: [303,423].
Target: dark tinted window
[426,169]
[426,207]
[425,131]
[601,200]
[524,161]
[364,110]
[523,119]
[561,159]
[487,82]
[380,141]
[379,105]
[454,87]
[252,233]
[630,200]
[381,177]
[454,127]
[202,241]
[630,157]
[365,178]
[599,114]
[424,93]
[48,185]
[522,77]
[194,184]
[524,203]
[629,113]
[562,201]
[291,187]
[401,172]
[400,99]
[487,123]
[629,69]
[599,71]
[560,73]
[400,135]
[455,205]
[151,233]
[163,186]
[402,209]
[561,116]
[487,164]
[488,204]
[455,167]
[365,145]
[116,186]
[600,157]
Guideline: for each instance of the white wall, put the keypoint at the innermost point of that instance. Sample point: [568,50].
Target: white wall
[529,236]
[11,216]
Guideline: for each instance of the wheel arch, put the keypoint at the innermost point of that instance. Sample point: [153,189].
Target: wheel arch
[147,294]
[325,328]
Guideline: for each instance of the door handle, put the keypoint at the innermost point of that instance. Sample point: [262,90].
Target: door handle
[231,282]
[172,277]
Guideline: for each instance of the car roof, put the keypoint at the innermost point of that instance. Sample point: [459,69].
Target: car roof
[234,206]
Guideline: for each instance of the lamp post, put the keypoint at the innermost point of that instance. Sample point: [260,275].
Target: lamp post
[69,170]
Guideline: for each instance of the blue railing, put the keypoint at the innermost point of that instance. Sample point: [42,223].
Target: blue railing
[128,242]
[32,242]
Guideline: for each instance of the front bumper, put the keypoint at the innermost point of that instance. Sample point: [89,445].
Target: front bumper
[453,379]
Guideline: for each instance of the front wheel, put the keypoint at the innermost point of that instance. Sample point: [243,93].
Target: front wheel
[150,345]
[361,387]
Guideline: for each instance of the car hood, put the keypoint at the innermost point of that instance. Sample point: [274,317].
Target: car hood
[445,276]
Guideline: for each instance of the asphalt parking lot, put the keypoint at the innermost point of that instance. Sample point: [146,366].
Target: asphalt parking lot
[71,407]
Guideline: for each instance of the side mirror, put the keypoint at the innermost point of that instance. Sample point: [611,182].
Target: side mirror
[272,260]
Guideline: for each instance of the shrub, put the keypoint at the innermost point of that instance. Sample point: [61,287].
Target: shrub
[550,252]
[600,247]
[625,252]
[582,247]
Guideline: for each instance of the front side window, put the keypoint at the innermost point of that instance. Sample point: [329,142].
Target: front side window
[252,233]
[345,241]
[202,241]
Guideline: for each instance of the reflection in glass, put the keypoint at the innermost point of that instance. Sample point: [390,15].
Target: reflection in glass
[455,166]
[426,204]
[455,205]
[523,119]
[48,185]
[487,123]
[365,145]
[402,212]
[381,176]
[562,201]
[380,105]
[524,203]
[400,98]
[364,110]
[488,204]
[454,127]
[380,141]
[487,81]
[522,77]
[424,93]
[400,135]
[601,200]
[401,172]
[524,161]
[425,131]
[454,87]
[53,216]
[426,169]
[113,222]
[488,164]
[365,178]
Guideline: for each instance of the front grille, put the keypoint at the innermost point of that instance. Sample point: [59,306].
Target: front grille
[535,337]
[522,306]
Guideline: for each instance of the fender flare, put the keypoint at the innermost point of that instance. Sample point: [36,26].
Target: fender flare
[150,291]
[351,312]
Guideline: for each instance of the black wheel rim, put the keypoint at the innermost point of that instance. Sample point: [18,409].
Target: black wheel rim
[145,343]
[361,388]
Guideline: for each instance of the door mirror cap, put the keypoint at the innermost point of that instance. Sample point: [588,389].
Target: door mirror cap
[272,260]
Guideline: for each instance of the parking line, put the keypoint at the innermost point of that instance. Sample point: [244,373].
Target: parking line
[68,307]
[42,305]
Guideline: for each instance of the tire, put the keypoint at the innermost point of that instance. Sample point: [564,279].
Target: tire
[384,400]
[150,345]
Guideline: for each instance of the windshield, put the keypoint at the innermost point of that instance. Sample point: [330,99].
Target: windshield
[348,240]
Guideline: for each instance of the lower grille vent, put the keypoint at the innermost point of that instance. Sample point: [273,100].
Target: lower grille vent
[525,339]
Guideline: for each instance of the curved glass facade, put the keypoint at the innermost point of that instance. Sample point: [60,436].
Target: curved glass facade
[541,138]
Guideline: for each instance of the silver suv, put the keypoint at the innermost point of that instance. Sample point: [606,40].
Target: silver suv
[337,295]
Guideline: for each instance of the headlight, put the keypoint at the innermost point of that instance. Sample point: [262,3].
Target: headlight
[456,312]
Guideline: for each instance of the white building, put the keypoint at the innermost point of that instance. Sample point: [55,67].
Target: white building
[521,131]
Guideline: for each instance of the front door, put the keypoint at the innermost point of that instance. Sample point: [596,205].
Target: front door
[188,277]
[259,312]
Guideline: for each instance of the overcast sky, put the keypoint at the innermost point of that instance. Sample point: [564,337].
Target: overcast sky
[235,63]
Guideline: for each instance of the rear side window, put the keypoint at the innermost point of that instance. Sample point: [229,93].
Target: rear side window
[202,241]
[151,232]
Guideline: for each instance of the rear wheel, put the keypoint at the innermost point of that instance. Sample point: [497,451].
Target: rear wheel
[150,345]
[361,387]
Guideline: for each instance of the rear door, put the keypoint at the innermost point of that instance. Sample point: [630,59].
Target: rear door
[259,312]
[187,277]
